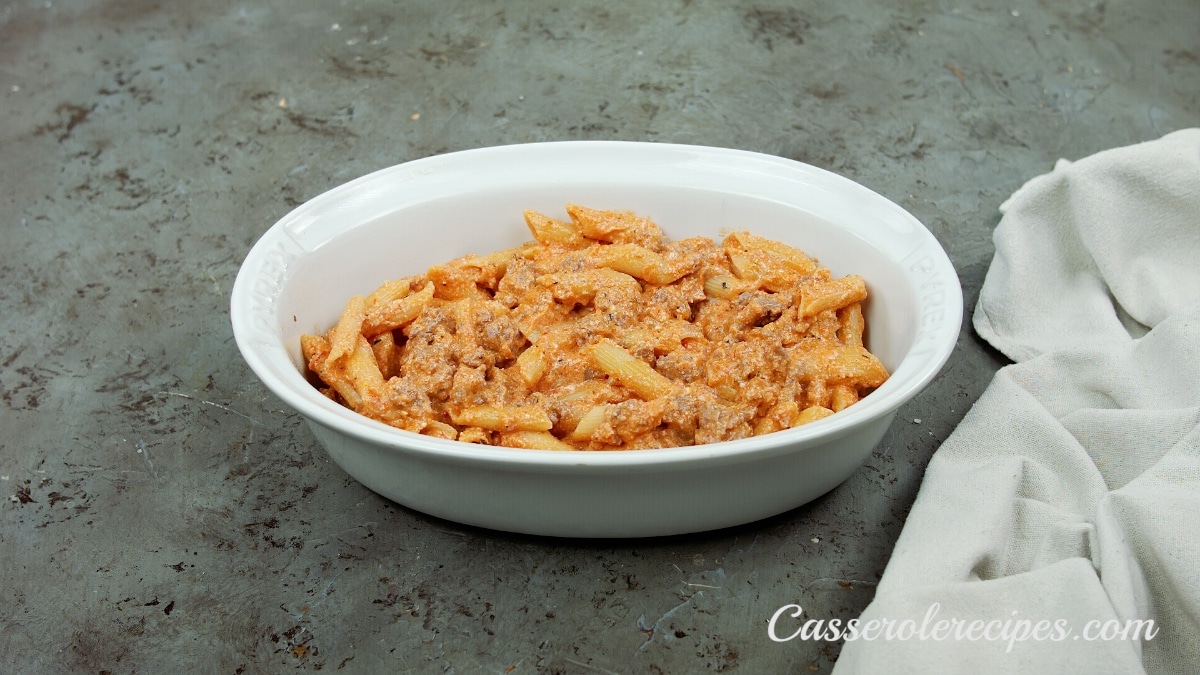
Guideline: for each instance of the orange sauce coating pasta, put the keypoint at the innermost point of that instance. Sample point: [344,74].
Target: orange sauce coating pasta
[603,334]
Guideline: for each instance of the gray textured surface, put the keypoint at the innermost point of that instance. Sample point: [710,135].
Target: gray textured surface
[161,508]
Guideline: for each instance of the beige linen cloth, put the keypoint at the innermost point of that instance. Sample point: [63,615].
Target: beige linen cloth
[1070,493]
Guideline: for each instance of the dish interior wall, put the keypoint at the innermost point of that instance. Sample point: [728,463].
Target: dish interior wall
[409,240]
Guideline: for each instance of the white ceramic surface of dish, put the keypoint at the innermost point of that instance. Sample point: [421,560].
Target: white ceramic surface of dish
[400,220]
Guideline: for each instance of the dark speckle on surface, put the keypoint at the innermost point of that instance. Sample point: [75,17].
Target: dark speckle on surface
[162,509]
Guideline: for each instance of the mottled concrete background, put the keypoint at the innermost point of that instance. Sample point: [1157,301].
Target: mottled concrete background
[161,509]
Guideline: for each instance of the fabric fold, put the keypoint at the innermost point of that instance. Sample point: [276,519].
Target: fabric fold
[1071,489]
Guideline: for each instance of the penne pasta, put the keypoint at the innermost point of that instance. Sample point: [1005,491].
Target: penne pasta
[725,286]
[532,364]
[833,294]
[811,414]
[602,334]
[630,371]
[588,424]
[344,337]
[533,440]
[637,261]
[548,231]
[794,258]
[397,313]
[498,418]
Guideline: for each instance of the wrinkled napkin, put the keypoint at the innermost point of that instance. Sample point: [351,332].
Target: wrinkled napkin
[1065,508]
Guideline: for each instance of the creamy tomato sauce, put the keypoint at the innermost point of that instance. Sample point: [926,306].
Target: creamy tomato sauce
[603,334]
